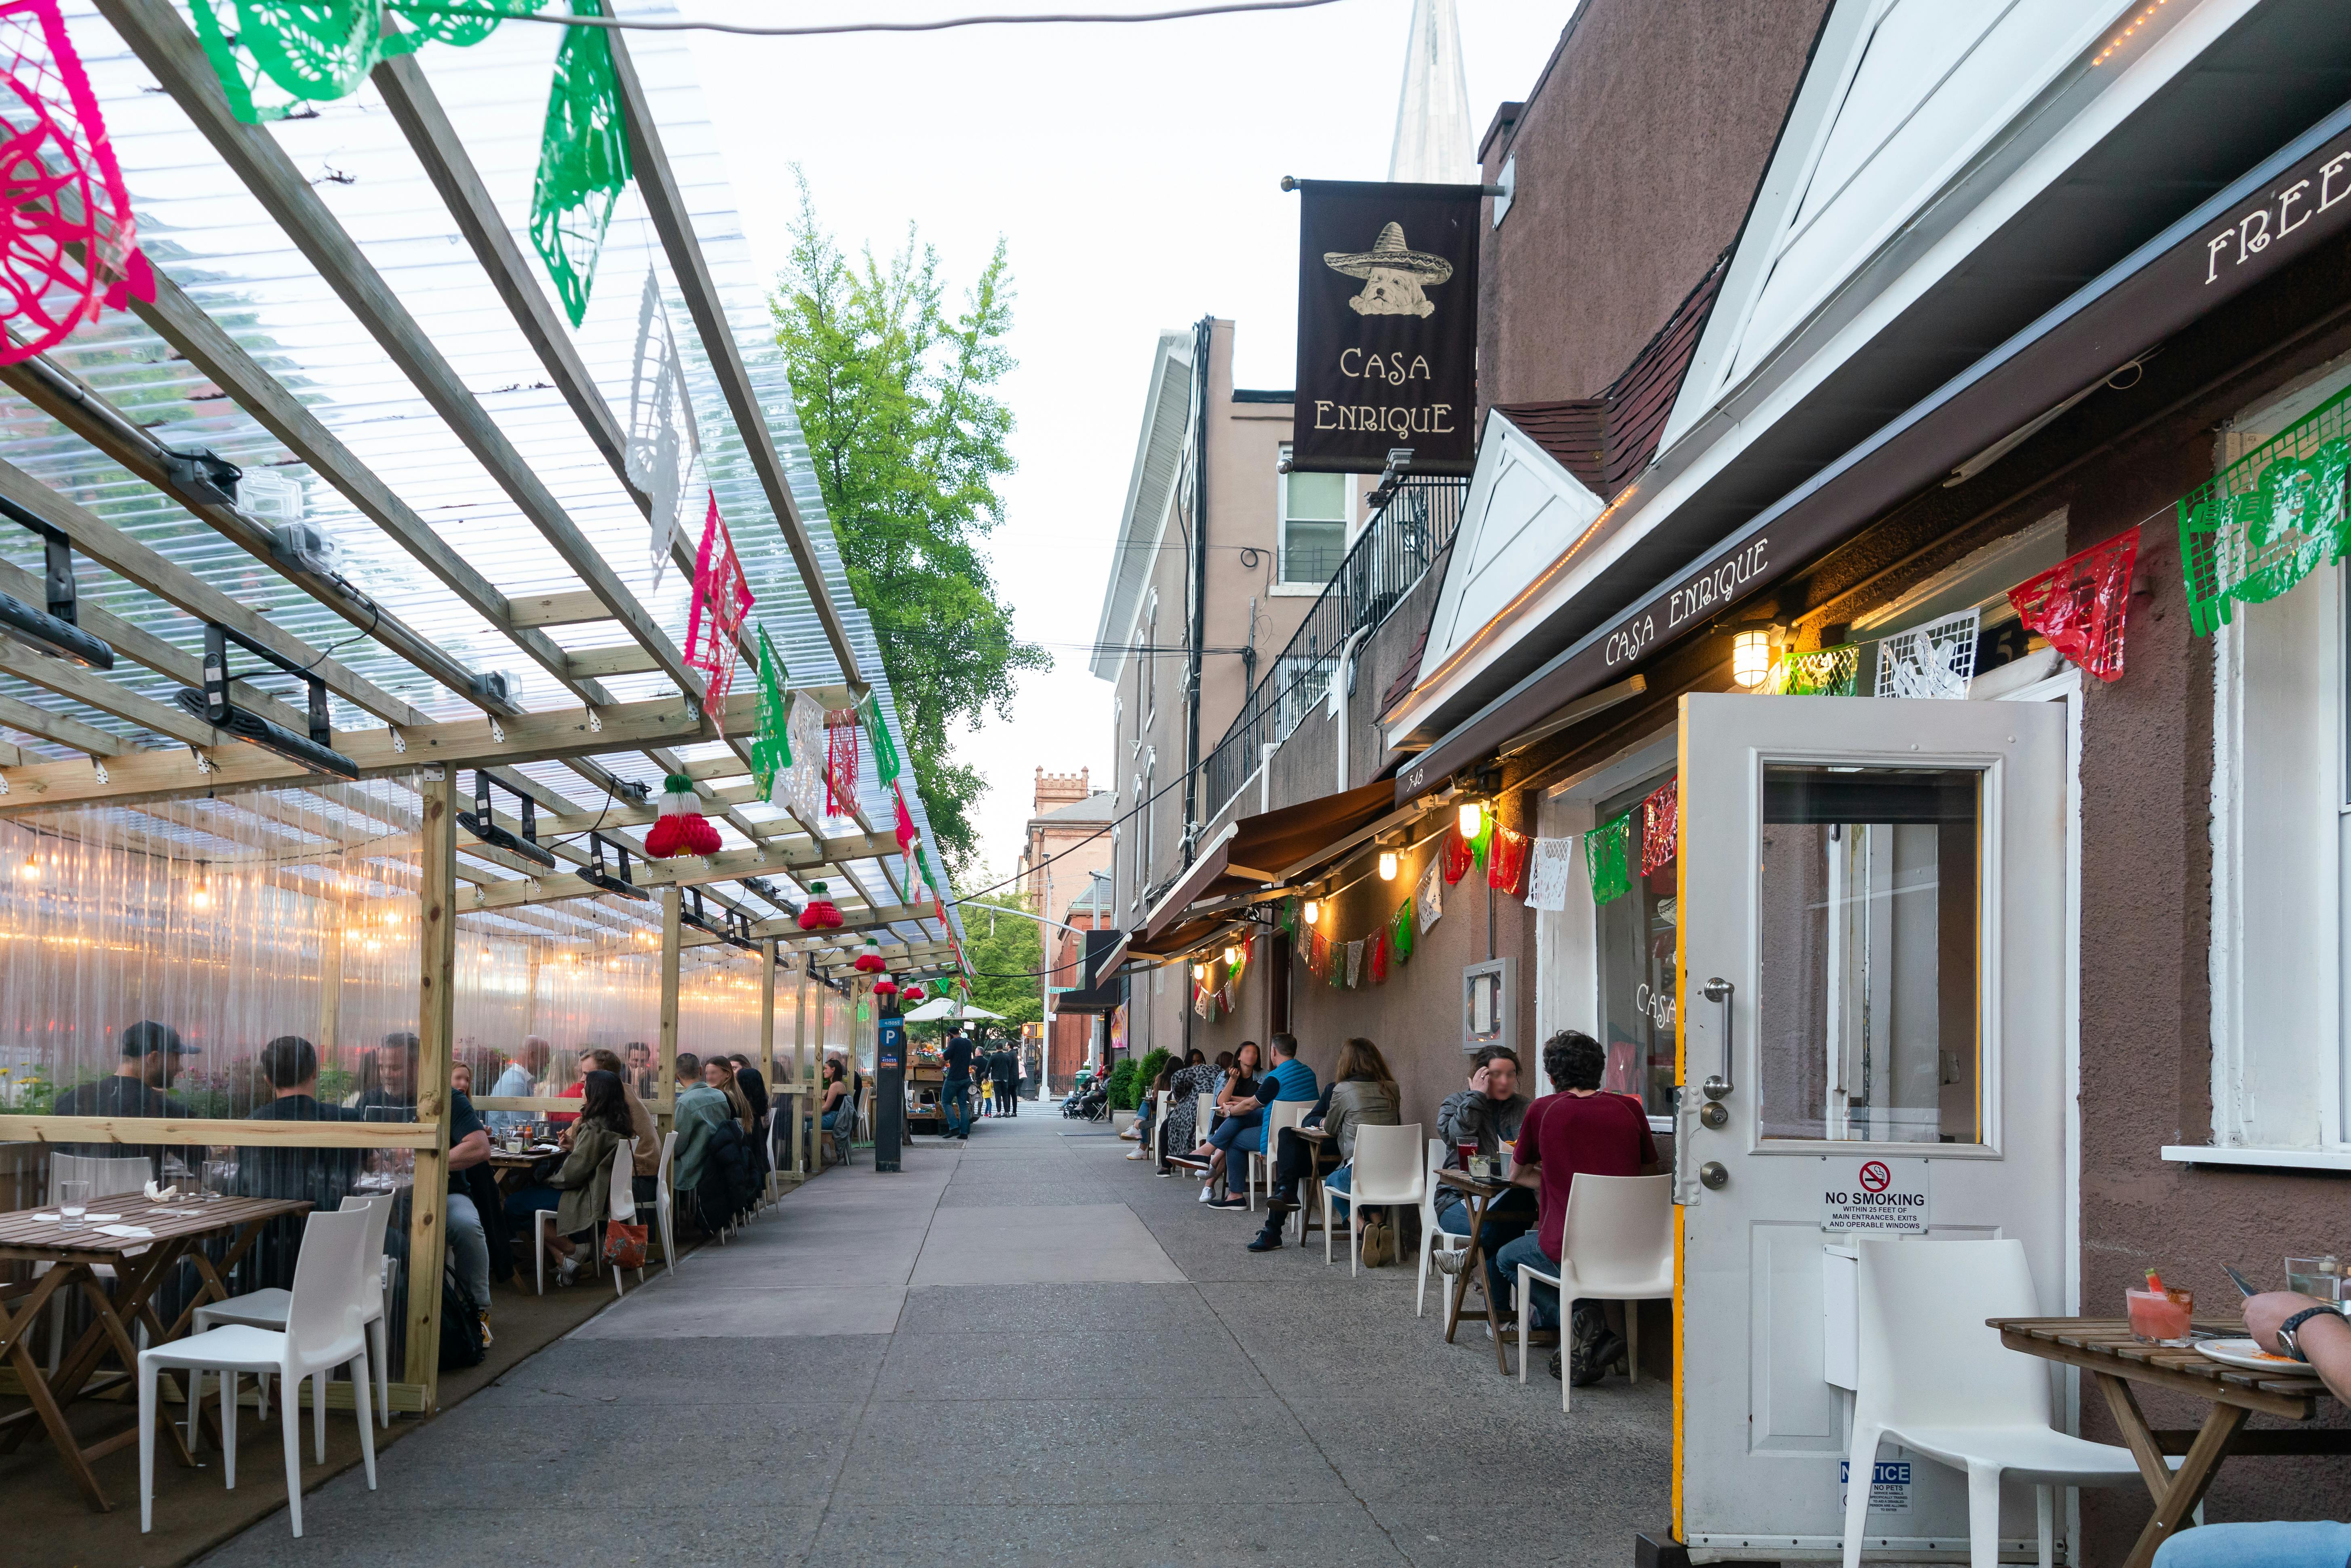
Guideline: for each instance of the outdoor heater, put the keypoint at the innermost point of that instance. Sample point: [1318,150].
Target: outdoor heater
[483,824]
[56,630]
[212,705]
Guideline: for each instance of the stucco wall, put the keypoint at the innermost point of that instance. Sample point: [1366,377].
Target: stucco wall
[1638,152]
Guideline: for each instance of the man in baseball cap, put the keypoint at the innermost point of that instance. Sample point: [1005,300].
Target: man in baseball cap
[150,1061]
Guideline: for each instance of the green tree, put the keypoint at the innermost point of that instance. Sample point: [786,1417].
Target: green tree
[1003,945]
[897,395]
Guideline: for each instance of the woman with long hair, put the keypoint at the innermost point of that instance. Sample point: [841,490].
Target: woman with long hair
[647,1169]
[1363,1093]
[719,1073]
[580,1193]
[1183,1129]
[1146,1147]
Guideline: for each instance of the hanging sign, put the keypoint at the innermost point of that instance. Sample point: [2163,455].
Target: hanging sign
[583,160]
[886,765]
[1937,660]
[840,761]
[1603,858]
[1547,881]
[721,599]
[1387,327]
[664,442]
[771,751]
[1876,1198]
[2080,604]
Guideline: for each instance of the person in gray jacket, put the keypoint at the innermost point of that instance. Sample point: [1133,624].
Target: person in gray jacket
[1363,1093]
[1486,1114]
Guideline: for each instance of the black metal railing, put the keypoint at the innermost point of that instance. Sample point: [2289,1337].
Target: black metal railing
[1392,553]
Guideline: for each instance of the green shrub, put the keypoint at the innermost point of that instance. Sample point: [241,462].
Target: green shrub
[1146,1072]
[1122,1086]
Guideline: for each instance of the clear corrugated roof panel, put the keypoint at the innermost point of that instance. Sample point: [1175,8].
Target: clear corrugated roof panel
[201,225]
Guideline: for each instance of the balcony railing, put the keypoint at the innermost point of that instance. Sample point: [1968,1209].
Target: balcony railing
[1392,553]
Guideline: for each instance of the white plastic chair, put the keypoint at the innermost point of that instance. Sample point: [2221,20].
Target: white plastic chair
[266,1309]
[1431,1236]
[612,1172]
[663,1205]
[1386,1171]
[1280,1113]
[623,1206]
[108,1176]
[1935,1378]
[1616,1244]
[325,1329]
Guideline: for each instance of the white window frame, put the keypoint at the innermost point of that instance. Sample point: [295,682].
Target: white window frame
[1282,581]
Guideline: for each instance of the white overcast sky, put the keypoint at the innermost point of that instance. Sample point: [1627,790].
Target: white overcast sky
[1133,171]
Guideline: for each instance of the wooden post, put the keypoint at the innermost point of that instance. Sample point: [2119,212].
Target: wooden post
[804,1073]
[436,960]
[330,978]
[671,901]
[778,1105]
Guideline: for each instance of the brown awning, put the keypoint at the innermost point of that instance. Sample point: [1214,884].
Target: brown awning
[1250,856]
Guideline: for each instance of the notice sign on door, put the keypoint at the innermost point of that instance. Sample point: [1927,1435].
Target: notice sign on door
[1876,1197]
[1889,1485]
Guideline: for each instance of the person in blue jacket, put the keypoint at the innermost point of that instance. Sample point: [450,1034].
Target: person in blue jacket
[1237,1137]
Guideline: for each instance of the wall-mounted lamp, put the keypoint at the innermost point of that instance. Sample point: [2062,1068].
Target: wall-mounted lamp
[1232,957]
[1199,971]
[1387,865]
[1473,818]
[1313,911]
[1750,658]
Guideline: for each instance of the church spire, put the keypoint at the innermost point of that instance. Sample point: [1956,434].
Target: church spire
[1432,133]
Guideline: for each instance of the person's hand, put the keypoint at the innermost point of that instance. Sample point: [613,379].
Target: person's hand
[1479,1079]
[563,1138]
[2265,1312]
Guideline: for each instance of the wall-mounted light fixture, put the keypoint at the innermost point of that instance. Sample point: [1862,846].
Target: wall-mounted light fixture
[1473,818]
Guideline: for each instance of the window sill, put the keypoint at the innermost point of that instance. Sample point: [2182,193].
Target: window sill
[2270,1159]
[1297,589]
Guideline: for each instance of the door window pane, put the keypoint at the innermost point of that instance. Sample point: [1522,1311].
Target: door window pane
[1636,940]
[1868,906]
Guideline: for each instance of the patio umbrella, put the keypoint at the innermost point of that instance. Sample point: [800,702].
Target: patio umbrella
[939,1008]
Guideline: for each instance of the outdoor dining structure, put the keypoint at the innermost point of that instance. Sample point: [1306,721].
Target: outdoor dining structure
[423,640]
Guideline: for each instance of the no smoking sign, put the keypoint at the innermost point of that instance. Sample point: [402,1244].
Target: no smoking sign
[1876,1198]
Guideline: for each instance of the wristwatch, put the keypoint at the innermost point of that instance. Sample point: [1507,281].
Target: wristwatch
[2285,1330]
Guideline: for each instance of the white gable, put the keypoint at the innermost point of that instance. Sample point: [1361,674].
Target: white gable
[1902,97]
[1522,512]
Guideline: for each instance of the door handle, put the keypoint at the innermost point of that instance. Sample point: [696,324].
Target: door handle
[1719,989]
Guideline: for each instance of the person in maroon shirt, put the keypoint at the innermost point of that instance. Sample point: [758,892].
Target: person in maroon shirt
[1575,1131]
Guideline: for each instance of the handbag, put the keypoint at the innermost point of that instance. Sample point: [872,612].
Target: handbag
[624,1244]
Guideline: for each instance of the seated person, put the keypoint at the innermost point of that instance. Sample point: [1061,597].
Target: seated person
[641,1080]
[581,1066]
[647,1168]
[1183,1129]
[389,1094]
[138,1086]
[322,1177]
[520,1082]
[579,1193]
[1362,1094]
[699,1108]
[469,1146]
[1149,1105]
[1237,1137]
[1236,1097]
[1577,1131]
[719,1073]
[1487,1113]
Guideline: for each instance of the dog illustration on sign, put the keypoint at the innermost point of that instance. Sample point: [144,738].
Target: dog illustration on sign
[1394,275]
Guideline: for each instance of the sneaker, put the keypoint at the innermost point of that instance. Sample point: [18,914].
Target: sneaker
[1206,1194]
[488,1338]
[1138,1153]
[1554,1363]
[1587,1336]
[1448,1260]
[1130,1134]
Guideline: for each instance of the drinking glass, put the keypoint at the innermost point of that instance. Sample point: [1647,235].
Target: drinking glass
[2321,1278]
[73,1202]
[2160,1317]
[217,1179]
[1468,1148]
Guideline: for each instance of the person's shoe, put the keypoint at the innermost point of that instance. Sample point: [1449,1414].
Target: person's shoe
[1206,1194]
[1228,1202]
[1279,1202]
[1130,1134]
[1608,1355]
[1138,1153]
[1554,1363]
[1448,1260]
[488,1338]
[1266,1241]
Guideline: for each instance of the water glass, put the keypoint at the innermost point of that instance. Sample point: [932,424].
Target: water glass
[217,1176]
[73,1203]
[2320,1278]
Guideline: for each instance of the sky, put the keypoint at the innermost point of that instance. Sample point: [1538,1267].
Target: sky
[1133,171]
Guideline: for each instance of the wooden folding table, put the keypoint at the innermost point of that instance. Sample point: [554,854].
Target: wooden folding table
[140,1264]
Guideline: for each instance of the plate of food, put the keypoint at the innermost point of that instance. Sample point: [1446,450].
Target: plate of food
[2245,1353]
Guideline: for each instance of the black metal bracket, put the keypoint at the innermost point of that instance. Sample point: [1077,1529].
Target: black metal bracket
[690,911]
[57,629]
[482,825]
[595,875]
[738,931]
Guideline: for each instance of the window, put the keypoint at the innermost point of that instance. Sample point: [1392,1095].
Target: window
[1147,669]
[2280,790]
[1302,681]
[1634,938]
[1313,525]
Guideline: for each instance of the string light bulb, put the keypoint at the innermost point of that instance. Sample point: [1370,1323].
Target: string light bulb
[32,871]
[1473,818]
[1232,957]
[200,892]
[1387,865]
[1199,971]
[1313,911]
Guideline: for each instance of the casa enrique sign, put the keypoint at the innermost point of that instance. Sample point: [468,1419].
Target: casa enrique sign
[1387,327]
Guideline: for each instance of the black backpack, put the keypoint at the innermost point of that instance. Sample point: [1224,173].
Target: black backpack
[462,1343]
[726,1188]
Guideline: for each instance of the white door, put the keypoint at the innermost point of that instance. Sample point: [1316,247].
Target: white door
[1882,886]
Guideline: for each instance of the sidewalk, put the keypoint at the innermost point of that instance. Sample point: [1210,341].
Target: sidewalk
[1021,1350]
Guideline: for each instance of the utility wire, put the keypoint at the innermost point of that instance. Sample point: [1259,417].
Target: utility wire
[568,20]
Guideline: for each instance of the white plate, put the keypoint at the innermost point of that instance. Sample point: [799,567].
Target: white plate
[2244,1353]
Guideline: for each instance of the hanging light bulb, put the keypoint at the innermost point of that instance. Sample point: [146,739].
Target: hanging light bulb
[32,871]
[200,892]
[1473,818]
[1313,911]
[1199,971]
[1750,658]
[1387,865]
[1232,957]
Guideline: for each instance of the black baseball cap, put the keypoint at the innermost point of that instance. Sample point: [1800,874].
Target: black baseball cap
[147,1038]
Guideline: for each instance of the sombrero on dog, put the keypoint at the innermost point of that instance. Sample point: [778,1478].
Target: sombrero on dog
[1390,254]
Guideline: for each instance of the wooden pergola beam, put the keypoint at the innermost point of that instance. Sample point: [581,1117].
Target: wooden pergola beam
[89,687]
[60,729]
[464,743]
[691,871]
[166,46]
[665,204]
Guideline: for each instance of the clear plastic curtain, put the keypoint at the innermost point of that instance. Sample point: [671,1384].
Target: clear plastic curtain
[718,1001]
[594,982]
[232,920]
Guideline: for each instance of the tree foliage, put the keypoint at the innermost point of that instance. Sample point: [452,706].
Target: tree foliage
[897,395]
